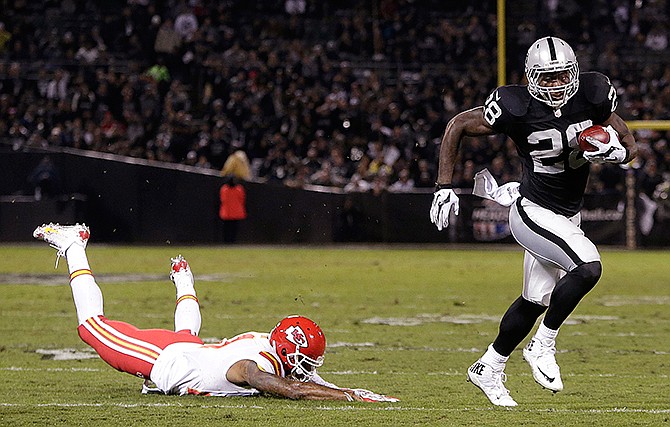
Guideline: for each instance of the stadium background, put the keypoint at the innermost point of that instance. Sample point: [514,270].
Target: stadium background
[137,106]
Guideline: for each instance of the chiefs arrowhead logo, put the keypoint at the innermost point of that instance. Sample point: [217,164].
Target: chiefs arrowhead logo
[296,335]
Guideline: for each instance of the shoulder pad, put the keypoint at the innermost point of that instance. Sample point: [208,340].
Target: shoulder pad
[596,86]
[515,99]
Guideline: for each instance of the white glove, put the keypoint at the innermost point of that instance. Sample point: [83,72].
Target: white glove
[613,152]
[369,396]
[443,200]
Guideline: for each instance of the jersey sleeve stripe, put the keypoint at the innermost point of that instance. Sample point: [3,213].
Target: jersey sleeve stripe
[274,361]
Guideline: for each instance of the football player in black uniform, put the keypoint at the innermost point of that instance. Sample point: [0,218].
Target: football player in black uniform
[561,265]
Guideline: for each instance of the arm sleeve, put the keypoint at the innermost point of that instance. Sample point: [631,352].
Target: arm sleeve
[318,380]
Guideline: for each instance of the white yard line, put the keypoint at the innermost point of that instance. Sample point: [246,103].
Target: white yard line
[453,373]
[62,279]
[614,410]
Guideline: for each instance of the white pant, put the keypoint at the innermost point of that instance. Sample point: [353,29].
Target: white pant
[554,245]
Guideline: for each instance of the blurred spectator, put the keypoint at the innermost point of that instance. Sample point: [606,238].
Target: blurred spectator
[350,222]
[185,24]
[57,88]
[425,174]
[232,210]
[649,182]
[237,165]
[45,181]
[168,39]
[88,52]
[357,184]
[14,84]
[404,184]
[295,7]
[649,178]
[657,37]
[5,36]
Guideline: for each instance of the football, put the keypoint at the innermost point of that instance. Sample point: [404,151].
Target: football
[595,131]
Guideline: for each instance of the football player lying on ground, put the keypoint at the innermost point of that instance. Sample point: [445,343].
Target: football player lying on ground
[281,363]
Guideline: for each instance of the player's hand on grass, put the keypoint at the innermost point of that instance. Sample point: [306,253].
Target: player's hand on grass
[362,395]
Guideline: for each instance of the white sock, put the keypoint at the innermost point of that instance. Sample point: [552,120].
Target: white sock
[494,359]
[183,281]
[76,258]
[546,335]
[187,312]
[187,315]
[85,291]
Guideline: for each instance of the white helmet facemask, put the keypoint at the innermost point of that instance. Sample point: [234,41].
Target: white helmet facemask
[303,366]
[551,55]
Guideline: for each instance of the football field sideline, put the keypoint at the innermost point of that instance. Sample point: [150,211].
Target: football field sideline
[369,408]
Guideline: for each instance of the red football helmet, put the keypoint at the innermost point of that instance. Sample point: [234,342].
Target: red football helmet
[300,344]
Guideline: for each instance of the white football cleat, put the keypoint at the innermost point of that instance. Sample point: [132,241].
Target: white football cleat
[540,357]
[61,237]
[491,381]
[179,268]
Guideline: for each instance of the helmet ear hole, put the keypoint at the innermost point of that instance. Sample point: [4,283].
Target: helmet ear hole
[283,352]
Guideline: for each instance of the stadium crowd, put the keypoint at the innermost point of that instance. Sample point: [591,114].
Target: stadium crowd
[347,94]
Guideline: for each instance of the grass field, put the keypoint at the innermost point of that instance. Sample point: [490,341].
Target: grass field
[402,321]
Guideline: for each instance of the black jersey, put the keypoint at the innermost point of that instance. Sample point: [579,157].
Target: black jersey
[554,171]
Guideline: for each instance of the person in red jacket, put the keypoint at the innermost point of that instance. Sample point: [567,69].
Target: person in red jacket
[233,207]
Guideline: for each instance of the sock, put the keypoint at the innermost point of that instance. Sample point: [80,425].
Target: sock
[76,258]
[85,291]
[183,281]
[494,359]
[187,312]
[187,315]
[516,324]
[545,334]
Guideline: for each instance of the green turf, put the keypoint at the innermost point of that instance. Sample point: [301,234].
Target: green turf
[406,322]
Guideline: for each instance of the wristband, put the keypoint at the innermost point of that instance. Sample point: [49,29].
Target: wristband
[439,186]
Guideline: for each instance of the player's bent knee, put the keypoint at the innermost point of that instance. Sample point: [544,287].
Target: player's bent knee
[589,272]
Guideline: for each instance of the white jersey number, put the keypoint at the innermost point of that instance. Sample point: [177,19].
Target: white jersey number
[491,108]
[549,147]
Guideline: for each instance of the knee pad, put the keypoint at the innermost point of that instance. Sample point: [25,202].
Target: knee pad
[589,273]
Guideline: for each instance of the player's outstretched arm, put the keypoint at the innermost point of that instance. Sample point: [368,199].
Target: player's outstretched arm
[246,372]
[466,123]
